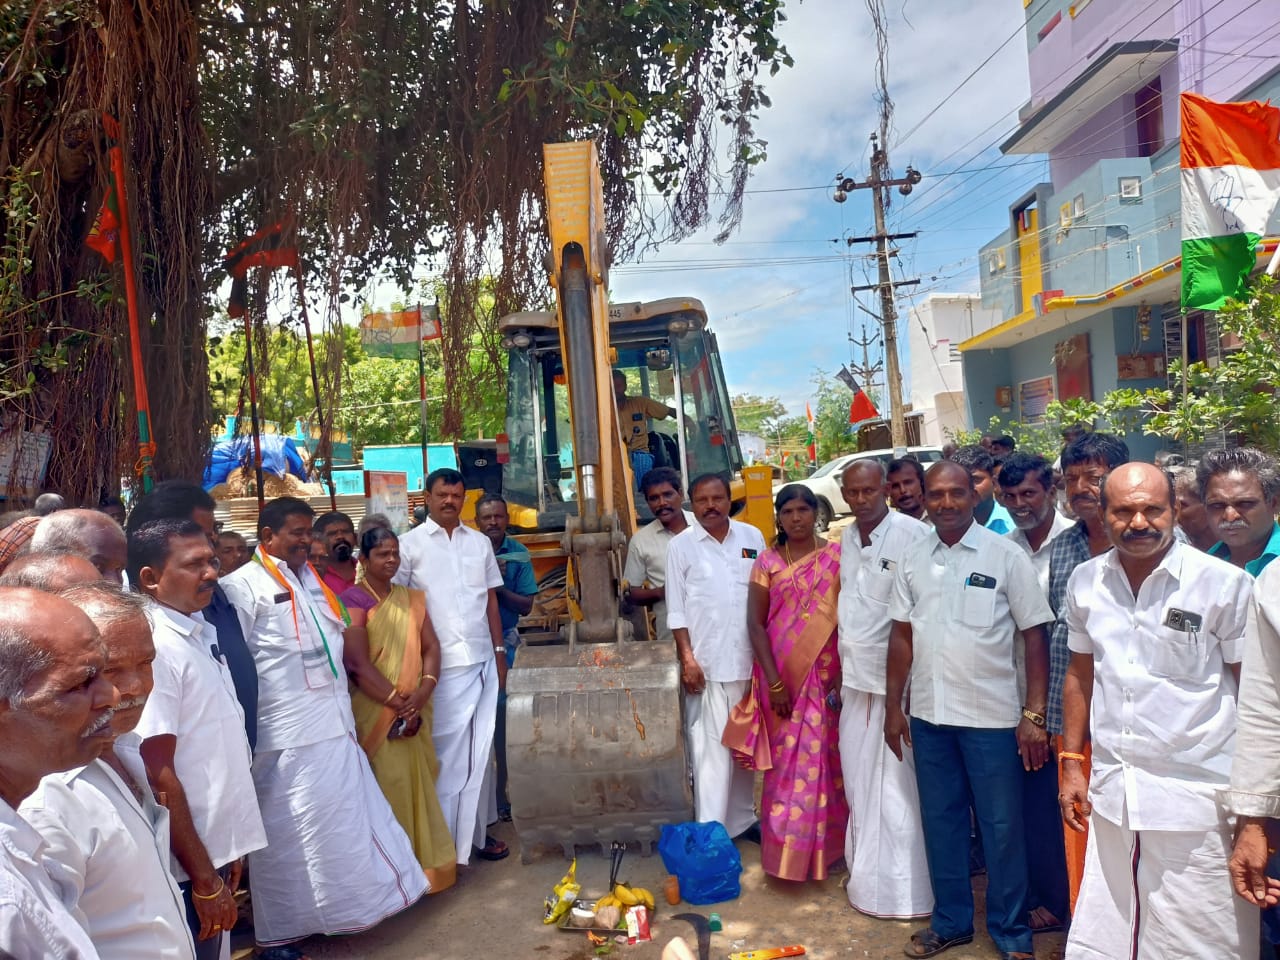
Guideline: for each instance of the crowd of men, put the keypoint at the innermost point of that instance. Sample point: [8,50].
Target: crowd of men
[1065,675]
[173,724]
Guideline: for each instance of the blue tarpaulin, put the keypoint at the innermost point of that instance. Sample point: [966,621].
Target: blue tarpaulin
[279,456]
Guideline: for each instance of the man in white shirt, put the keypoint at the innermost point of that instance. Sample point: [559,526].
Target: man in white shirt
[708,570]
[1156,630]
[1029,491]
[55,714]
[194,751]
[646,568]
[101,827]
[959,599]
[454,566]
[884,845]
[336,860]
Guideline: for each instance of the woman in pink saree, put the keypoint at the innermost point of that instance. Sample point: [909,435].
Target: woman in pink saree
[788,724]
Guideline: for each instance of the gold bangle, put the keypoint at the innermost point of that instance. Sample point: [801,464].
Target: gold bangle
[428,676]
[1064,755]
[390,696]
[777,686]
[222,885]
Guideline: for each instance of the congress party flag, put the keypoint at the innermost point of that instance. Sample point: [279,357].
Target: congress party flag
[397,333]
[1230,188]
[811,441]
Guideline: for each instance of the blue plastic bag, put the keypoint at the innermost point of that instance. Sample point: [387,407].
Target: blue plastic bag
[703,859]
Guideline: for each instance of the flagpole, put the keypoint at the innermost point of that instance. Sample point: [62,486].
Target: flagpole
[146,448]
[422,396]
[253,409]
[1184,381]
[326,443]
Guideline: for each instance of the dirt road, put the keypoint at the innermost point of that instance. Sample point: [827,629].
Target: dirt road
[495,912]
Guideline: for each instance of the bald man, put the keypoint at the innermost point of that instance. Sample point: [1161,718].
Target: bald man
[1156,631]
[51,571]
[89,533]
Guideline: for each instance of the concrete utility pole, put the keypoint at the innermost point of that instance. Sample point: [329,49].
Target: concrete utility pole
[879,183]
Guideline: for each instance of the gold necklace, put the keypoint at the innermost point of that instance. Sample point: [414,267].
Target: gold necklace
[369,590]
[808,600]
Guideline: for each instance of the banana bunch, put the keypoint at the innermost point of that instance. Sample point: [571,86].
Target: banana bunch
[624,896]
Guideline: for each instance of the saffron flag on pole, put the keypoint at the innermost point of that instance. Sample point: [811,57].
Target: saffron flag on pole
[811,441]
[1230,189]
[397,333]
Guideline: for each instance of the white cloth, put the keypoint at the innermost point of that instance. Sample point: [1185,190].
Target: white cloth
[722,791]
[647,561]
[707,595]
[338,862]
[1255,770]
[962,670]
[34,923]
[884,842]
[1159,895]
[1163,711]
[463,721]
[96,835]
[296,643]
[866,582]
[194,701]
[456,573]
[1040,558]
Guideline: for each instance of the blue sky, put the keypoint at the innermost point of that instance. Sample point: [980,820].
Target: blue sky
[778,301]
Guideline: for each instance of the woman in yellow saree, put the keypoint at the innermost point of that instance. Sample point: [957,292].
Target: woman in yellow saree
[393,657]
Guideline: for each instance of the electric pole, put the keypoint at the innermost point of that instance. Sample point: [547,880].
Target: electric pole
[879,183]
[868,372]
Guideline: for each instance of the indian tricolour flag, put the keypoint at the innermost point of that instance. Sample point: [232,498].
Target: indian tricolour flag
[1230,188]
[811,441]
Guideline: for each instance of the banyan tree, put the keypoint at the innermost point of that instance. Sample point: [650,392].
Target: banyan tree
[392,136]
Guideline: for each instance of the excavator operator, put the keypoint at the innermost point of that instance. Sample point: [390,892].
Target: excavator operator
[634,414]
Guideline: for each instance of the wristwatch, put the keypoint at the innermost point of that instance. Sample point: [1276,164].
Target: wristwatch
[1036,718]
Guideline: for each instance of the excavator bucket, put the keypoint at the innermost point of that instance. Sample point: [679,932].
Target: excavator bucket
[595,745]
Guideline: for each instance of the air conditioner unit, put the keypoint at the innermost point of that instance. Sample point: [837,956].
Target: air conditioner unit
[1130,188]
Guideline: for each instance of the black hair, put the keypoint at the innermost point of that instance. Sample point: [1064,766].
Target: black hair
[375,536]
[702,478]
[1005,442]
[1247,460]
[939,465]
[326,520]
[489,498]
[170,500]
[658,476]
[1105,448]
[151,543]
[792,491]
[974,458]
[274,515]
[446,475]
[906,463]
[1018,466]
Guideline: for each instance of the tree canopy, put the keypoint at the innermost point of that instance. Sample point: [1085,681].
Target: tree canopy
[392,137]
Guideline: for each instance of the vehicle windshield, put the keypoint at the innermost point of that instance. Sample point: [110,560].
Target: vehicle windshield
[829,467]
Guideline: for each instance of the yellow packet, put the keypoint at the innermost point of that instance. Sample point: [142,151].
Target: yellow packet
[564,894]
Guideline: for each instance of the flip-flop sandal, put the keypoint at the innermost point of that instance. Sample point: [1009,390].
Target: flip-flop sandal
[493,849]
[928,943]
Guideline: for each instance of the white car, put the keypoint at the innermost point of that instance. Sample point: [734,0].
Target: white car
[825,481]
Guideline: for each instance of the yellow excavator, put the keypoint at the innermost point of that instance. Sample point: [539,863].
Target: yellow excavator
[595,732]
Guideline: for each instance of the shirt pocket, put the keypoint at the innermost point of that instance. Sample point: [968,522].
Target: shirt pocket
[474,577]
[1177,654]
[977,606]
[877,586]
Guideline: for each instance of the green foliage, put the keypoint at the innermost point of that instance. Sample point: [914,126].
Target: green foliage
[756,414]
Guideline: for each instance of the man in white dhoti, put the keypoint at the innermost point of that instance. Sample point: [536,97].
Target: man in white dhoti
[55,714]
[336,860]
[454,565]
[100,825]
[708,569]
[884,844]
[194,749]
[1156,630]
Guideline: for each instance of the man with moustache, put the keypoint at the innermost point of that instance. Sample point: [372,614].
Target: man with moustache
[708,569]
[960,598]
[1156,630]
[55,714]
[646,568]
[1240,489]
[1193,523]
[906,488]
[337,534]
[884,844]
[89,533]
[194,751]
[100,824]
[455,567]
[233,552]
[336,860]
[1085,461]
[1027,485]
